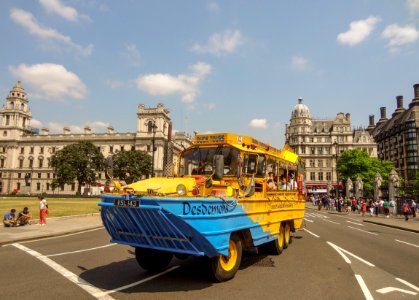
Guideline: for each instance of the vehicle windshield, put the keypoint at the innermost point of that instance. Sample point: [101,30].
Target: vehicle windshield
[200,161]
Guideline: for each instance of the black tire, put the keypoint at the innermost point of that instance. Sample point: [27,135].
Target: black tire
[287,234]
[277,246]
[152,260]
[224,268]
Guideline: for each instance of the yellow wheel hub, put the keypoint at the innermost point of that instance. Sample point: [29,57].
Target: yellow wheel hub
[281,236]
[287,233]
[228,262]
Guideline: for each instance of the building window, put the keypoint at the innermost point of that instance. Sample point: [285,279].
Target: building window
[312,176]
[2,163]
[62,187]
[48,175]
[18,185]
[132,148]
[311,162]
[22,150]
[41,150]
[53,150]
[312,150]
[99,175]
[320,150]
[19,175]
[303,150]
[320,163]
[328,176]
[31,150]
[111,149]
[21,163]
[41,162]
[122,148]
[148,147]
[31,163]
[39,175]
[73,186]
[320,176]
[38,186]
[47,186]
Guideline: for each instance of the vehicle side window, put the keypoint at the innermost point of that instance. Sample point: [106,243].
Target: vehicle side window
[250,163]
[261,171]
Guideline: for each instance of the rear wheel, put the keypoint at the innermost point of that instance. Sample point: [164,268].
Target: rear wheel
[287,234]
[277,246]
[152,260]
[225,267]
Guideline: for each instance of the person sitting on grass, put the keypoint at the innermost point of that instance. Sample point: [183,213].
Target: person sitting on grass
[24,217]
[9,219]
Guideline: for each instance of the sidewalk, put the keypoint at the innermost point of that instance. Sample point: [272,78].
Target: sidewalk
[54,227]
[394,222]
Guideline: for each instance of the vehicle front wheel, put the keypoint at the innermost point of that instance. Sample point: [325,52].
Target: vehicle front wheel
[287,235]
[225,267]
[152,260]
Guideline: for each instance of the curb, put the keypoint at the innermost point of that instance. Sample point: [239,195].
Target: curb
[48,236]
[392,226]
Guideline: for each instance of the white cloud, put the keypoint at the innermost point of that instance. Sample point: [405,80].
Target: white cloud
[258,124]
[56,7]
[221,43]
[116,84]
[213,7]
[413,6]
[299,63]
[358,31]
[27,21]
[50,81]
[187,85]
[399,36]
[132,55]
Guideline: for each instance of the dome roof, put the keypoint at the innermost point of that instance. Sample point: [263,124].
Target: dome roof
[300,110]
[18,92]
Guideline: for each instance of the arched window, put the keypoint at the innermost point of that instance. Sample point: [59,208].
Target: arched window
[150,126]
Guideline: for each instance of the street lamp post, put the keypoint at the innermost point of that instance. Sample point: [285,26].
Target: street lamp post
[336,145]
[153,128]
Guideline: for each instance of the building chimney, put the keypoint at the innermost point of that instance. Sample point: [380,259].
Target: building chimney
[44,131]
[383,113]
[399,101]
[415,100]
[66,130]
[87,130]
[400,107]
[372,123]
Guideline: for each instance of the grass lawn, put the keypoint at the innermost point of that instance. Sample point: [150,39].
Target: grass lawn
[57,207]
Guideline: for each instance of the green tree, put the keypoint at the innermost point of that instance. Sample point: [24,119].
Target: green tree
[78,162]
[354,163]
[130,166]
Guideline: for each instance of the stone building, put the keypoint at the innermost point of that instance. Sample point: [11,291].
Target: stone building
[26,151]
[397,137]
[320,142]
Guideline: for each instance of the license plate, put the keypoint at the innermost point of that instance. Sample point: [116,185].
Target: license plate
[126,203]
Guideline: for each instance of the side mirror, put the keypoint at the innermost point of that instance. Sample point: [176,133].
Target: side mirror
[219,167]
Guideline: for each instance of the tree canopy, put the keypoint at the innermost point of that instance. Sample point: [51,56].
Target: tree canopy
[354,163]
[78,162]
[130,166]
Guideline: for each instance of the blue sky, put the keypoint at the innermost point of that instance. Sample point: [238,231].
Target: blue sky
[219,66]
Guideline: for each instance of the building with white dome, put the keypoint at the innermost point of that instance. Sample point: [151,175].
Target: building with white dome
[320,142]
[25,152]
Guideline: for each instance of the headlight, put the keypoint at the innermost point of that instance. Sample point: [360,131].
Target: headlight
[181,190]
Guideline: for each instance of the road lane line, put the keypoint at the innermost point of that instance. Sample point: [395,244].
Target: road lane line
[341,250]
[61,236]
[140,282]
[407,243]
[373,233]
[308,220]
[364,287]
[78,251]
[311,233]
[394,289]
[408,284]
[359,224]
[331,221]
[92,290]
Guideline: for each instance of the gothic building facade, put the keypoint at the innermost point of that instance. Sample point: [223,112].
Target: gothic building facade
[25,152]
[397,137]
[320,142]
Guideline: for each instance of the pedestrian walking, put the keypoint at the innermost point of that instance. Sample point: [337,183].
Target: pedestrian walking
[406,210]
[413,208]
[43,210]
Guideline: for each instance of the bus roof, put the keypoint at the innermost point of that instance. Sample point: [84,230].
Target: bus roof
[247,143]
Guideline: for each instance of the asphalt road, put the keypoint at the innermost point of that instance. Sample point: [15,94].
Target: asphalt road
[335,257]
